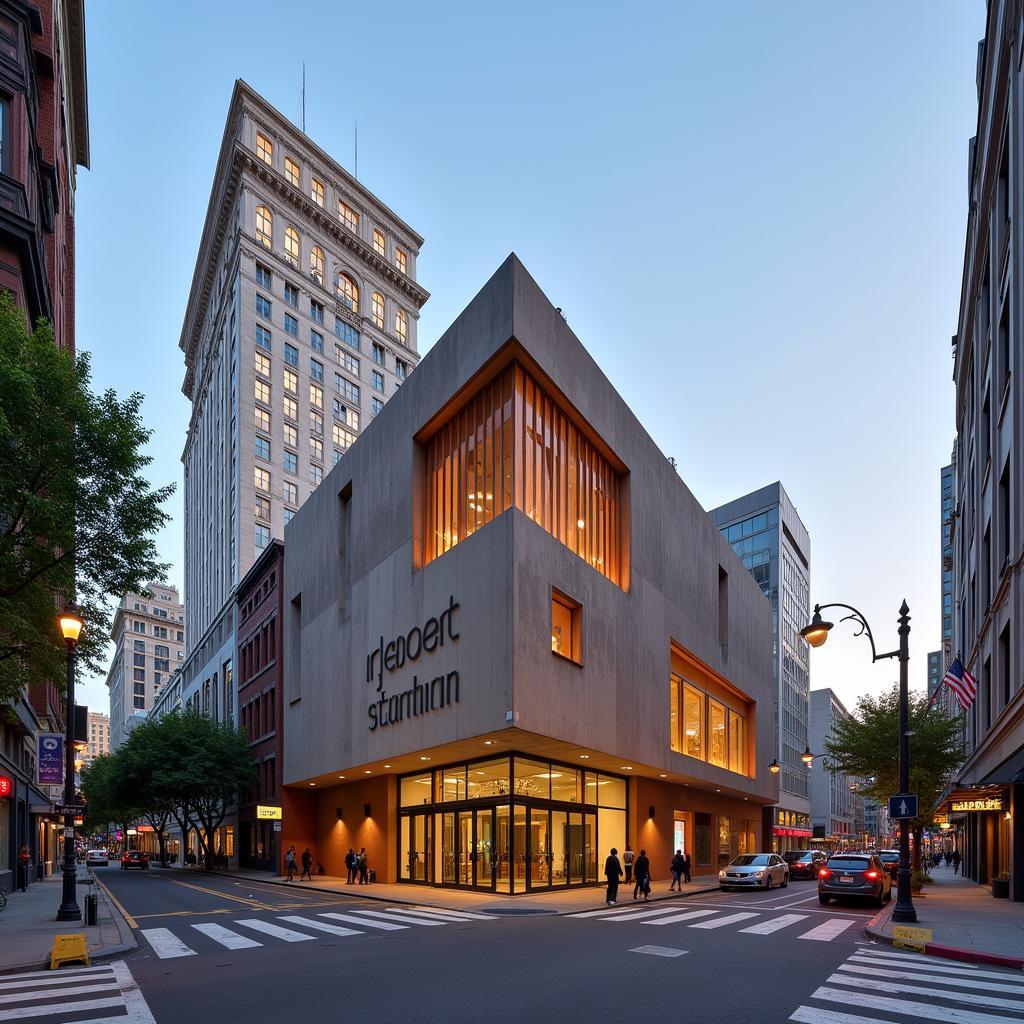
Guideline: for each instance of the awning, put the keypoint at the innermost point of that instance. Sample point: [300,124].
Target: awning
[1009,772]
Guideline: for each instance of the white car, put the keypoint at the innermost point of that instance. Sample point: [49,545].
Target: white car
[97,858]
[754,871]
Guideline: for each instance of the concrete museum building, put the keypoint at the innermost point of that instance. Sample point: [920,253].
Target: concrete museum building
[513,638]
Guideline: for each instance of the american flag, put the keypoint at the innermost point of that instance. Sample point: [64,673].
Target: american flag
[961,682]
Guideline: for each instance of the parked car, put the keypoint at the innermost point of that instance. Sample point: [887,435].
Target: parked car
[804,863]
[854,874]
[97,858]
[890,860]
[135,859]
[754,870]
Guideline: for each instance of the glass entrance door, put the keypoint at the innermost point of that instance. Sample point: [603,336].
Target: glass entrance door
[464,854]
[415,848]
[486,863]
[538,850]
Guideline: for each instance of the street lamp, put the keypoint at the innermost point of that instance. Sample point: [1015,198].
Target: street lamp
[816,633]
[71,628]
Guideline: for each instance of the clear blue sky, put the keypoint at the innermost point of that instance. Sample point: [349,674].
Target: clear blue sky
[752,214]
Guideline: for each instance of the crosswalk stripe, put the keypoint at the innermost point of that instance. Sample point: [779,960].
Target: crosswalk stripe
[690,915]
[391,916]
[366,922]
[166,944]
[888,953]
[461,915]
[767,927]
[135,1005]
[65,973]
[52,1008]
[814,1015]
[60,979]
[45,993]
[973,998]
[722,921]
[940,968]
[932,979]
[320,926]
[954,1015]
[602,912]
[637,915]
[828,931]
[226,937]
[275,930]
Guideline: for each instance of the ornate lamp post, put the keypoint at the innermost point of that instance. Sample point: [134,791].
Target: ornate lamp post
[816,634]
[71,628]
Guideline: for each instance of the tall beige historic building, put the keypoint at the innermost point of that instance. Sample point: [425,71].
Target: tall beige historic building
[149,634]
[98,736]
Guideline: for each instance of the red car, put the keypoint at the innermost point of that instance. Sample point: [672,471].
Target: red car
[135,859]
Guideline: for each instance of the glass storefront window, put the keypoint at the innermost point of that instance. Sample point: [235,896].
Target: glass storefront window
[606,791]
[489,778]
[452,783]
[716,720]
[415,790]
[737,743]
[565,784]
[693,722]
[532,779]
[675,723]
[735,836]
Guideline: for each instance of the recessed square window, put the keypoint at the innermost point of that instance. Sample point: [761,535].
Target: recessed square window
[566,626]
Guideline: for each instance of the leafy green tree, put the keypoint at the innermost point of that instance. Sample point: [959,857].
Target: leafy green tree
[139,760]
[109,799]
[77,515]
[867,744]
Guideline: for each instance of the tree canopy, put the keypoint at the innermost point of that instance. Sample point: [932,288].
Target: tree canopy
[77,515]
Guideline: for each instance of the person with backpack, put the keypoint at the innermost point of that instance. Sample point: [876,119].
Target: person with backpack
[289,863]
[613,872]
[307,863]
[627,860]
[642,875]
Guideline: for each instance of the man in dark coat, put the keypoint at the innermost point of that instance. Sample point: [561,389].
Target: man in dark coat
[642,874]
[613,872]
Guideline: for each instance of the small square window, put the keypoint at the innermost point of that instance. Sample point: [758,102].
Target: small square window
[566,626]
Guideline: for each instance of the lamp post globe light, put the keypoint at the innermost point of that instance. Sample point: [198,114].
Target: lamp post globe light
[816,633]
[71,628]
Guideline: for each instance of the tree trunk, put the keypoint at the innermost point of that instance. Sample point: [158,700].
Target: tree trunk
[916,859]
[161,838]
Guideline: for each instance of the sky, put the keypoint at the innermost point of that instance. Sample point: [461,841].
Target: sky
[753,216]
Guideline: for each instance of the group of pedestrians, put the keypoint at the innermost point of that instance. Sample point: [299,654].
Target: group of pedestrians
[951,857]
[307,864]
[357,866]
[638,871]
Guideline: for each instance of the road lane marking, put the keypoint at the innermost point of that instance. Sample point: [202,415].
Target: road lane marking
[690,915]
[459,915]
[827,931]
[963,971]
[878,971]
[637,915]
[117,903]
[226,937]
[767,927]
[272,929]
[52,1008]
[20,997]
[722,921]
[322,926]
[367,922]
[973,998]
[404,920]
[166,944]
[927,1011]
[58,979]
[813,1015]
[660,951]
[255,904]
[136,1008]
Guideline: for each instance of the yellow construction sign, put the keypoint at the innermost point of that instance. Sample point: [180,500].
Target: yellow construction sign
[68,949]
[911,938]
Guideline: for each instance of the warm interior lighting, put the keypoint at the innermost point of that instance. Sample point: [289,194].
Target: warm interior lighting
[816,633]
[423,757]
[807,757]
[70,623]
[584,757]
[775,767]
[488,743]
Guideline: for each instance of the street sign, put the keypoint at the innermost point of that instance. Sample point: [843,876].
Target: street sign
[77,809]
[903,806]
[277,826]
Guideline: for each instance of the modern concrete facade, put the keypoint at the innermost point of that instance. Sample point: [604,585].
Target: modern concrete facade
[479,692]
[988,534]
[769,537]
[837,807]
[149,639]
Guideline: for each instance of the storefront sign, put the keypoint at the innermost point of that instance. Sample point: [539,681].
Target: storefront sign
[439,692]
[779,830]
[266,813]
[6,786]
[50,759]
[991,803]
[940,819]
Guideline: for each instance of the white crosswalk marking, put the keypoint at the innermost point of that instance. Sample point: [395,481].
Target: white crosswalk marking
[62,1007]
[226,937]
[981,984]
[721,922]
[774,924]
[930,1010]
[320,926]
[19,997]
[812,1015]
[403,919]
[59,979]
[275,930]
[386,926]
[458,915]
[828,931]
[976,998]
[638,915]
[166,944]
[690,915]
[935,967]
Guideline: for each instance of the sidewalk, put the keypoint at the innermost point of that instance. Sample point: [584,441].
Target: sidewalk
[567,901]
[28,925]
[966,922]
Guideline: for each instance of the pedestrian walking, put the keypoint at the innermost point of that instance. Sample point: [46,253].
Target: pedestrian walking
[949,858]
[613,872]
[642,875]
[307,863]
[687,864]
[350,866]
[364,867]
[627,860]
[289,863]
[24,862]
[678,864]
[956,862]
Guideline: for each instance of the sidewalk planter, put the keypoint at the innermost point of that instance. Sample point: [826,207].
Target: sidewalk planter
[1001,888]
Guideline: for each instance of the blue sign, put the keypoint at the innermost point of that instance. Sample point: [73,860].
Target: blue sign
[50,759]
[903,806]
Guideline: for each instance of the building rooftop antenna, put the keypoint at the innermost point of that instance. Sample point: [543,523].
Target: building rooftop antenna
[357,150]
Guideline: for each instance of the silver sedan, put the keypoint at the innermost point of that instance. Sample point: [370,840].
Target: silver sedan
[754,871]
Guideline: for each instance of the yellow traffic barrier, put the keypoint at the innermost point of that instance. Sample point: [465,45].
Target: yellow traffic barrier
[67,949]
[911,938]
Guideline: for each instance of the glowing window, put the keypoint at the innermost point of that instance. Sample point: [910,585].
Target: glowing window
[566,620]
[401,261]
[401,326]
[291,171]
[291,246]
[264,226]
[316,191]
[348,216]
[348,292]
[264,148]
[378,242]
[377,309]
[316,266]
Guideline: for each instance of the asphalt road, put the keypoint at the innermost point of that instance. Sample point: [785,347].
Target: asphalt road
[743,957]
